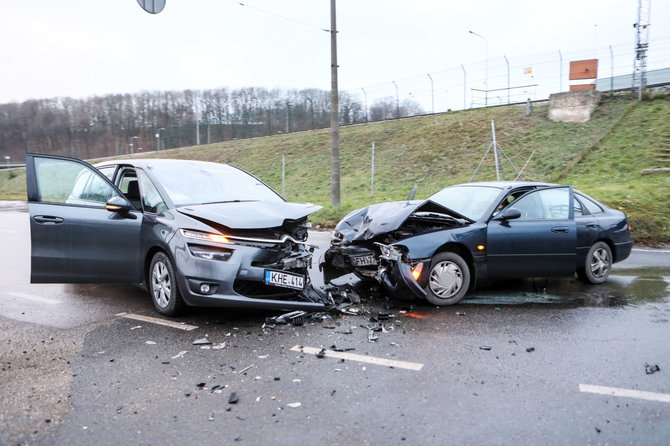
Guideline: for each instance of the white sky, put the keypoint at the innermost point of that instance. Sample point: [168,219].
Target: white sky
[81,48]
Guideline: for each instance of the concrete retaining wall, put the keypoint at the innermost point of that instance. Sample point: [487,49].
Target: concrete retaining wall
[573,106]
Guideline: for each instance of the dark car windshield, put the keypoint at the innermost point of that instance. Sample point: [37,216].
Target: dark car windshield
[469,201]
[195,182]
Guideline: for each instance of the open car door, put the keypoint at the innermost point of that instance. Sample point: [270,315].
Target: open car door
[82,228]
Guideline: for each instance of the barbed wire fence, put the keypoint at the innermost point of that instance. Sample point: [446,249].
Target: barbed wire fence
[509,79]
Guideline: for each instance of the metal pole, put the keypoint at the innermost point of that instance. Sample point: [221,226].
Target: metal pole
[334,112]
[495,150]
[464,90]
[372,172]
[283,175]
[397,101]
[611,71]
[432,92]
[197,128]
[366,104]
[486,67]
[508,85]
[560,76]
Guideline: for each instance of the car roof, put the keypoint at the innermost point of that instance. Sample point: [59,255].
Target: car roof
[144,162]
[506,184]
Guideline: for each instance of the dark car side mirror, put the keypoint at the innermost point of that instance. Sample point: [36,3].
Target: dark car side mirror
[509,214]
[119,205]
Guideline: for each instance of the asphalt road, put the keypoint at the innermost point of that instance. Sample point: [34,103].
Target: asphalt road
[526,362]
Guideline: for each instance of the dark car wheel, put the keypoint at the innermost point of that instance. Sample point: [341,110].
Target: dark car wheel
[163,286]
[598,264]
[448,279]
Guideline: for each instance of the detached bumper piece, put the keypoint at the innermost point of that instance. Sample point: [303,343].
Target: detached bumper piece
[396,276]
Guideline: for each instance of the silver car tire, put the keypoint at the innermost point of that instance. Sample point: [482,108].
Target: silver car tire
[163,286]
[598,264]
[448,279]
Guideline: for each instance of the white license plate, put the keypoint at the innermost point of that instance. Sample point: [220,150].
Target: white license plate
[285,280]
[364,260]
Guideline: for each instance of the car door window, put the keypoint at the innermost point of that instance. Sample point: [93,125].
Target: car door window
[68,182]
[545,204]
[151,198]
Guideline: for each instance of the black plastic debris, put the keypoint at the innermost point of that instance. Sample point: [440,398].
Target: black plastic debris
[485,347]
[233,399]
[201,385]
[341,349]
[649,369]
[345,332]
[322,353]
[530,349]
[202,341]
[216,389]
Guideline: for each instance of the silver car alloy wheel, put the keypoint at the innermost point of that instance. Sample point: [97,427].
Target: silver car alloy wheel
[600,263]
[161,284]
[446,279]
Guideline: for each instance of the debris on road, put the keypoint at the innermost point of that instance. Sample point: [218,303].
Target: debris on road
[530,349]
[234,398]
[150,343]
[180,354]
[649,369]
[485,347]
[246,368]
[341,349]
[294,405]
[202,341]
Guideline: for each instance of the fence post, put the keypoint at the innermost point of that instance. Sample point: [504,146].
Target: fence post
[464,87]
[372,172]
[283,175]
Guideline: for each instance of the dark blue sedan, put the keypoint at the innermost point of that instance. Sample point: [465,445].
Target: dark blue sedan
[440,248]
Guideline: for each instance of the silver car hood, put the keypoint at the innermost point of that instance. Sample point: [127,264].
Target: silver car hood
[250,214]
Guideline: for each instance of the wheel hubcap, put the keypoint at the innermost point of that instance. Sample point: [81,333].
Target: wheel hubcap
[599,263]
[160,284]
[446,279]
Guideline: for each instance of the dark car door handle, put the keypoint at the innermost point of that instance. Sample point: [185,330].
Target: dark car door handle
[591,225]
[559,229]
[47,220]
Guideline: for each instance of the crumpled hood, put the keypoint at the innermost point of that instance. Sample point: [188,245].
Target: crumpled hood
[250,214]
[382,218]
[371,221]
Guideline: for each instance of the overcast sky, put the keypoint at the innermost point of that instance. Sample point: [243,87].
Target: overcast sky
[81,48]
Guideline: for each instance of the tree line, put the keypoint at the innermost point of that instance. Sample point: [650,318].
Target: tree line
[117,124]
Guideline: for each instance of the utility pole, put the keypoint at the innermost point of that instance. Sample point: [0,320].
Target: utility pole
[641,46]
[334,114]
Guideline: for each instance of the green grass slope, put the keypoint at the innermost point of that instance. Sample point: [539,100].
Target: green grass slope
[603,157]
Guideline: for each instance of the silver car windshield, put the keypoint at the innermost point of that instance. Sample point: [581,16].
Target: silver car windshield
[469,201]
[194,182]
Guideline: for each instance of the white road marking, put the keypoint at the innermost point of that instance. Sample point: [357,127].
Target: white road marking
[44,300]
[155,320]
[652,251]
[360,358]
[627,393]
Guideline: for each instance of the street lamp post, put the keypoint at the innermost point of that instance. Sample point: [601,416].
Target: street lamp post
[486,68]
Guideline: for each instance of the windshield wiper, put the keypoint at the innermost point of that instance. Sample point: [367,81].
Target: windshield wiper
[439,216]
[228,201]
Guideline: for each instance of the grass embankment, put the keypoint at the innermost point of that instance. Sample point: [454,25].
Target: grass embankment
[603,157]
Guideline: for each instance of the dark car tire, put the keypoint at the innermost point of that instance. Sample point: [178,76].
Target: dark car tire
[598,264]
[448,279]
[163,286]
